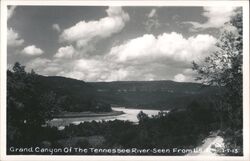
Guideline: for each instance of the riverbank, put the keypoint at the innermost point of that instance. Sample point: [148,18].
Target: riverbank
[64,119]
[119,113]
[88,114]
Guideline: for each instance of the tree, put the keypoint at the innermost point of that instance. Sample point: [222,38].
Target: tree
[18,68]
[224,69]
[27,108]
[141,116]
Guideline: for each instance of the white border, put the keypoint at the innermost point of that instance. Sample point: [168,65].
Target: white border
[243,3]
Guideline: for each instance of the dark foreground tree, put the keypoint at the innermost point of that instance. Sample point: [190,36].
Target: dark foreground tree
[224,69]
[27,108]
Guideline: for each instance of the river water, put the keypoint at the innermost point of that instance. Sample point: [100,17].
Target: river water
[129,114]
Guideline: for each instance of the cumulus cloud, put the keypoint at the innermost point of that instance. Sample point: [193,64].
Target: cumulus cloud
[32,50]
[13,38]
[56,27]
[216,17]
[10,11]
[179,78]
[187,75]
[167,45]
[65,52]
[47,66]
[149,57]
[39,64]
[83,32]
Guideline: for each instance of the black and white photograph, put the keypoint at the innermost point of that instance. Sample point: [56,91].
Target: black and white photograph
[126,80]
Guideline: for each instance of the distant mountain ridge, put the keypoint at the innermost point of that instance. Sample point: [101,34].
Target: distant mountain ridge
[152,94]
[98,96]
[163,94]
[162,85]
[77,95]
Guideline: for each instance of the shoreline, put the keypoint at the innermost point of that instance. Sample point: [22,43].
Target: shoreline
[88,114]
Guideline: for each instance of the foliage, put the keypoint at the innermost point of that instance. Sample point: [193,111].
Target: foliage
[182,128]
[141,116]
[32,100]
[77,95]
[161,95]
[27,109]
[224,69]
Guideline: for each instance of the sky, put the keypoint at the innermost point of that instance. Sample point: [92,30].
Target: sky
[108,43]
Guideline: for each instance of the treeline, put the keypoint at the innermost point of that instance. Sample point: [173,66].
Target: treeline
[181,128]
[161,95]
[34,99]
[184,129]
[223,69]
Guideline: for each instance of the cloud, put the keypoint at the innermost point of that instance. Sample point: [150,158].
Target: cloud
[149,57]
[46,66]
[73,74]
[187,75]
[90,69]
[13,38]
[152,13]
[56,27]
[38,64]
[180,78]
[167,45]
[83,32]
[216,17]
[10,11]
[32,50]
[65,52]
[152,21]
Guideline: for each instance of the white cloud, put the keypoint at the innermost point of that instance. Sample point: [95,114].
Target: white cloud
[187,75]
[152,13]
[10,11]
[118,75]
[216,17]
[32,50]
[73,74]
[65,52]
[189,71]
[180,78]
[56,27]
[13,38]
[83,32]
[149,57]
[96,69]
[167,45]
[144,58]
[38,64]
[46,66]
[91,69]
[51,69]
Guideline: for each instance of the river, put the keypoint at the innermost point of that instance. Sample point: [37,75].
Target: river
[130,114]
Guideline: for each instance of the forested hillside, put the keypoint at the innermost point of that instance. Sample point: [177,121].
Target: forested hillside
[153,94]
